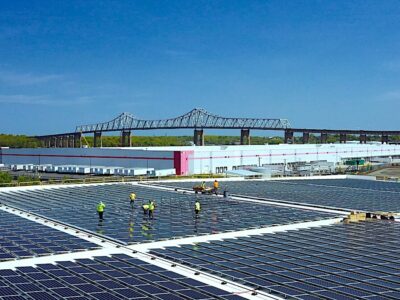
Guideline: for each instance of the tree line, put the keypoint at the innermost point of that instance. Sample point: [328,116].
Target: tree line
[23,141]
[148,141]
[18,141]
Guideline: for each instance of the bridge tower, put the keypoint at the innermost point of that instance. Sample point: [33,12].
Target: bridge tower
[289,137]
[384,138]
[306,137]
[198,137]
[323,137]
[245,137]
[126,140]
[97,138]
[363,138]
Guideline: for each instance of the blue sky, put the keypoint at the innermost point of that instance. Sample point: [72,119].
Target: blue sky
[320,64]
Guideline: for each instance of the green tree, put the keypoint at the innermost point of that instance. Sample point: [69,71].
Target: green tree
[25,178]
[5,177]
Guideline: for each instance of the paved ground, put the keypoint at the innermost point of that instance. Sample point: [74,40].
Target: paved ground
[392,172]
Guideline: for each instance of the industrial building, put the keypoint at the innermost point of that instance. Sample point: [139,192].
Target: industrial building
[189,160]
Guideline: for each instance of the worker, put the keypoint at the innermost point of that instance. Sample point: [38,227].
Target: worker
[132,198]
[197,207]
[203,185]
[145,208]
[100,210]
[216,186]
[152,207]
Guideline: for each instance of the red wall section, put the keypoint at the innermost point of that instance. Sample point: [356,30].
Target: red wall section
[181,162]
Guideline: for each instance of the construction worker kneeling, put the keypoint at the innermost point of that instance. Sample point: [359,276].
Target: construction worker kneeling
[145,208]
[152,207]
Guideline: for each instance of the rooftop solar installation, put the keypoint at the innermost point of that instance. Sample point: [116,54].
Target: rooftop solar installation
[174,215]
[342,261]
[349,194]
[117,277]
[21,238]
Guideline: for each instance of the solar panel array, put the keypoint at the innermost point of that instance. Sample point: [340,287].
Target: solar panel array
[353,183]
[103,278]
[22,238]
[344,261]
[174,215]
[348,194]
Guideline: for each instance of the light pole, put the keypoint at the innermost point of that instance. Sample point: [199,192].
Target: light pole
[90,166]
[147,164]
[37,169]
[284,167]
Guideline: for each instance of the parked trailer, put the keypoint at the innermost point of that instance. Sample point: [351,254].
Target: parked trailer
[165,172]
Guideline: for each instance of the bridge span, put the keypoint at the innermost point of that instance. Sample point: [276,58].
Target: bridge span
[197,119]
[200,119]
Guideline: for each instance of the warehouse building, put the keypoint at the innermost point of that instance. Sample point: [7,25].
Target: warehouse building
[196,160]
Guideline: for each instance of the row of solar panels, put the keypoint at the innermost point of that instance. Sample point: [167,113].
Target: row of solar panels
[354,183]
[344,261]
[22,238]
[348,194]
[103,278]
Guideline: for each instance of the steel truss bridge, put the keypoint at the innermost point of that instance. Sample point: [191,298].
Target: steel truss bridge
[199,119]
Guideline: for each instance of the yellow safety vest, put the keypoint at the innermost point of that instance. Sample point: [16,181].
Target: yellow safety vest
[216,184]
[152,206]
[197,206]
[145,206]
[132,196]
[100,207]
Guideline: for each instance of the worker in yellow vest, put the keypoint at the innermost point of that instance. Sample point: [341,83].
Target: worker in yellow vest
[132,198]
[152,207]
[145,208]
[100,210]
[197,207]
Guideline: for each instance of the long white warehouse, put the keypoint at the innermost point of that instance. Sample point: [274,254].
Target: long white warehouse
[196,160]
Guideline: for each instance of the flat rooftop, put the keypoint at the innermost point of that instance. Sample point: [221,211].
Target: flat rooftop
[265,240]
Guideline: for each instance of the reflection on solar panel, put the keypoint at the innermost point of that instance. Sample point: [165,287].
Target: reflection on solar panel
[116,277]
[342,193]
[343,261]
[174,216]
[22,238]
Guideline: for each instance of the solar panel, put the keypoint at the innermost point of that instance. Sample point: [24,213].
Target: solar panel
[41,296]
[28,287]
[7,291]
